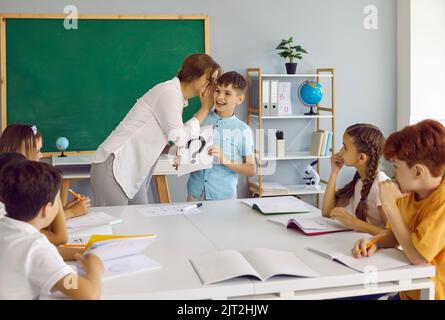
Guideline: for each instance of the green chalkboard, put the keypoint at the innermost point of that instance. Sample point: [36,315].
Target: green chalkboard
[80,83]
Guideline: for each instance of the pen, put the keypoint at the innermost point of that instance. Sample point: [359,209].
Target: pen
[78,196]
[193,206]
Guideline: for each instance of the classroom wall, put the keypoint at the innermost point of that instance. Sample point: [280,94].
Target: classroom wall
[421,52]
[245,33]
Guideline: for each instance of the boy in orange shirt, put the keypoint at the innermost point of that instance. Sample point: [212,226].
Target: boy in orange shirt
[416,218]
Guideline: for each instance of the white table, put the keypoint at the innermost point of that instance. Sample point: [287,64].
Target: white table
[229,224]
[77,167]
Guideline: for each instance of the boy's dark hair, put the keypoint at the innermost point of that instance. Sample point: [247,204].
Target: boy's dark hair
[8,158]
[234,78]
[27,186]
[423,142]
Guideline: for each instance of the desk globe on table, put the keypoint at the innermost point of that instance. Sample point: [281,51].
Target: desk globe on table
[310,94]
[62,144]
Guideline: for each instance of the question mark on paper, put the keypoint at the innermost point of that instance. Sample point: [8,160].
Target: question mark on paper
[195,153]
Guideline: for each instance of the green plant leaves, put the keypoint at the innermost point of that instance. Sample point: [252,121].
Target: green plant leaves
[290,51]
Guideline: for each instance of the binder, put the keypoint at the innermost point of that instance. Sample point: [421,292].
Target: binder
[266,98]
[274,98]
[329,145]
[284,99]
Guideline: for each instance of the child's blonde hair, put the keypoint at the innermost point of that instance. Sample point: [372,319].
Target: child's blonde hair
[20,138]
[368,139]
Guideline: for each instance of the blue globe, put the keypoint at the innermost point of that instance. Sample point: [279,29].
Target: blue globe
[62,143]
[310,93]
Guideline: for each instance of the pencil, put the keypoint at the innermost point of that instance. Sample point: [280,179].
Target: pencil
[78,196]
[74,245]
[376,239]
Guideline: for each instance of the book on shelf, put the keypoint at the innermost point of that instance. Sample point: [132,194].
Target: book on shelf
[260,263]
[271,188]
[277,205]
[382,259]
[311,226]
[321,143]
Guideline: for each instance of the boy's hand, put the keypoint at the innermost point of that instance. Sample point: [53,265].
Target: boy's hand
[360,250]
[342,215]
[91,263]
[336,162]
[389,193]
[79,207]
[216,151]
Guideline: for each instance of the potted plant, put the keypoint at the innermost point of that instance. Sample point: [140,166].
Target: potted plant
[287,50]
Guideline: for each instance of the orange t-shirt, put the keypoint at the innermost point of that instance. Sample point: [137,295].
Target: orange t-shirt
[426,220]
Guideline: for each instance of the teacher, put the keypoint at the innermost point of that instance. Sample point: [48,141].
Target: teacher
[122,168]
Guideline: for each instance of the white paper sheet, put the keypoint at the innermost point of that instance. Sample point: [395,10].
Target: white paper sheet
[194,156]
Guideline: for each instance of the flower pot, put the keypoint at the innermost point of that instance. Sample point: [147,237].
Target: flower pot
[291,68]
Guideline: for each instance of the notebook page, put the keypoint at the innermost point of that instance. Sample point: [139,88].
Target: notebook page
[269,262]
[93,219]
[222,265]
[117,248]
[383,259]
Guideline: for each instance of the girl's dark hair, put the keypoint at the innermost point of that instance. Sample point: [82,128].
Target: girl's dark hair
[368,139]
[196,65]
[20,138]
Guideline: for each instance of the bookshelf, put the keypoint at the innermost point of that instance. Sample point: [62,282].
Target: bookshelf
[257,120]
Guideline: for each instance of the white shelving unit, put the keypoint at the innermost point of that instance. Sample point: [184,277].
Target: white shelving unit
[254,112]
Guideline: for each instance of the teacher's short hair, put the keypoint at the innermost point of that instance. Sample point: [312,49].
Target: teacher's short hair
[196,65]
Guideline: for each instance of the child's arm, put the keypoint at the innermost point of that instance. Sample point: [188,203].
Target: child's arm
[88,287]
[359,250]
[350,220]
[247,168]
[57,232]
[329,196]
[69,254]
[77,208]
[389,193]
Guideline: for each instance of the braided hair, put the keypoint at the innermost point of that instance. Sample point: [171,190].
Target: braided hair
[368,139]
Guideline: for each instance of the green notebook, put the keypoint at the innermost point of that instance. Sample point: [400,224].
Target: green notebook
[278,205]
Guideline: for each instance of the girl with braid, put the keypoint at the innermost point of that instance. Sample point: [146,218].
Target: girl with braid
[357,204]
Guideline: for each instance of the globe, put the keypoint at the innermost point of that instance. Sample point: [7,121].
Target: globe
[62,144]
[310,94]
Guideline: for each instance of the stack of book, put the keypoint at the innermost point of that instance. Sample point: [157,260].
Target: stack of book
[321,143]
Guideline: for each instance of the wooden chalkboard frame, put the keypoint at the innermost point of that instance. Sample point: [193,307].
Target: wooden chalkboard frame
[3,44]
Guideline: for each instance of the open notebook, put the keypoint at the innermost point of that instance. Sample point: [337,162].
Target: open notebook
[259,263]
[277,205]
[383,259]
[122,255]
[92,220]
[311,226]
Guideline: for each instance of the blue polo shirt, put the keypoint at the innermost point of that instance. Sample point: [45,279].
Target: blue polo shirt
[236,141]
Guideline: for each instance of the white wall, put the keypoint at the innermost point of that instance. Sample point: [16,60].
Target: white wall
[244,33]
[421,73]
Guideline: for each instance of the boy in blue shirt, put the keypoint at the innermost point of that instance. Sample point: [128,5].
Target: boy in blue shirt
[233,144]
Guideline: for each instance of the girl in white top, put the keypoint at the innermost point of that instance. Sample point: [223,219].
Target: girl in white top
[357,204]
[124,162]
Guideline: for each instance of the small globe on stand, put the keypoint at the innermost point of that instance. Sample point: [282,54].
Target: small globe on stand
[62,144]
[310,94]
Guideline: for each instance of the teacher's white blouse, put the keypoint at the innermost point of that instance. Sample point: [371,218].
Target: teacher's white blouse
[141,136]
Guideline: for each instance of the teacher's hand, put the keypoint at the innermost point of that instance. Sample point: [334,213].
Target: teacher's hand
[206,97]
